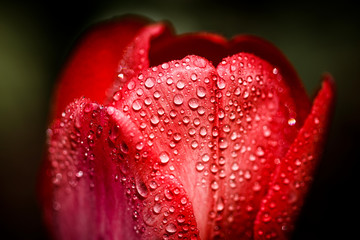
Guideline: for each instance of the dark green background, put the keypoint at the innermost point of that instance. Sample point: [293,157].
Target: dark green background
[317,37]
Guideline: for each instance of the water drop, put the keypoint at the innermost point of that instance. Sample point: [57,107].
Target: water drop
[221,84]
[260,151]
[149,82]
[214,185]
[141,188]
[168,194]
[203,131]
[178,99]
[193,103]
[164,157]
[157,208]
[180,218]
[223,143]
[220,204]
[180,85]
[235,166]
[193,77]
[136,105]
[157,95]
[194,144]
[165,66]
[170,228]
[153,185]
[131,85]
[200,166]
[291,121]
[154,120]
[201,92]
[205,158]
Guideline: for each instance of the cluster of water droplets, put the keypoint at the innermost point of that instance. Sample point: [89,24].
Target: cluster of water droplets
[218,125]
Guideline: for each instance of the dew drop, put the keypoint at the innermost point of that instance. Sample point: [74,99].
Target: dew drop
[178,99]
[201,92]
[214,185]
[171,228]
[136,105]
[203,131]
[141,188]
[194,144]
[157,94]
[235,166]
[168,194]
[200,166]
[223,143]
[180,218]
[153,185]
[292,121]
[157,208]
[180,85]
[165,66]
[266,131]
[221,84]
[149,82]
[220,204]
[193,77]
[164,157]
[260,151]
[205,158]
[193,103]
[147,101]
[154,120]
[131,85]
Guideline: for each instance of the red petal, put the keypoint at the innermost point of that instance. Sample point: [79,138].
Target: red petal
[270,53]
[292,178]
[217,136]
[135,58]
[102,185]
[174,106]
[93,65]
[255,106]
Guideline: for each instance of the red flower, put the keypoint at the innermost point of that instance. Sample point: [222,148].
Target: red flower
[157,136]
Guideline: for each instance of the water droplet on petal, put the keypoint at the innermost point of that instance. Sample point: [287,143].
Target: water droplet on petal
[193,103]
[221,83]
[292,121]
[136,105]
[201,92]
[165,66]
[193,77]
[154,120]
[164,157]
[141,188]
[178,99]
[223,143]
[149,82]
[170,228]
[214,185]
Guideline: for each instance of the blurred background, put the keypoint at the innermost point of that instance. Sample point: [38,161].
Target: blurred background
[35,38]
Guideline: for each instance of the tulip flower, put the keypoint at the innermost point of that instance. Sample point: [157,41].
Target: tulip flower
[160,136]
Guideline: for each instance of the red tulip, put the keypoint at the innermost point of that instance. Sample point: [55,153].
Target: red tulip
[158,136]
